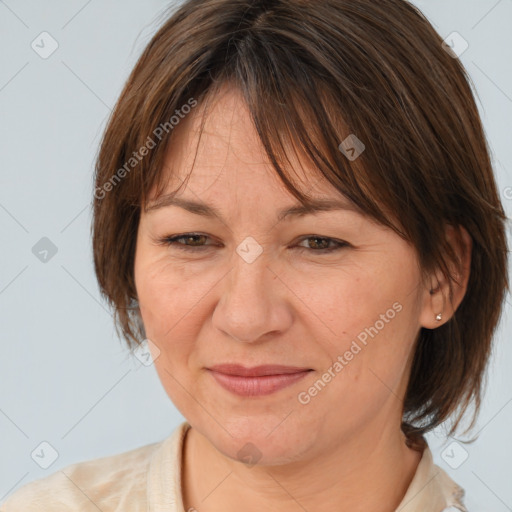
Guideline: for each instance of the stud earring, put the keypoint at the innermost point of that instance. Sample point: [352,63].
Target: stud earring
[438,317]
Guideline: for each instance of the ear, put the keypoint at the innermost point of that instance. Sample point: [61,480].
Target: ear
[436,292]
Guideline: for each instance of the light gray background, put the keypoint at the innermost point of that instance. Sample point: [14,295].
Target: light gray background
[65,377]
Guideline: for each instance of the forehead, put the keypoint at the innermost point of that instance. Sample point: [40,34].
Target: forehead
[217,145]
[217,166]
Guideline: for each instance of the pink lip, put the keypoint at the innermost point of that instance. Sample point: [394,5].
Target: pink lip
[256,381]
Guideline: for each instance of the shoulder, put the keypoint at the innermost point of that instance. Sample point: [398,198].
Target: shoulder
[432,489]
[453,494]
[113,483]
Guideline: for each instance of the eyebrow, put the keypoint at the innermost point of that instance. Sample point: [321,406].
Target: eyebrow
[313,207]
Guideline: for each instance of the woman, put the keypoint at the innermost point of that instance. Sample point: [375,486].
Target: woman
[295,208]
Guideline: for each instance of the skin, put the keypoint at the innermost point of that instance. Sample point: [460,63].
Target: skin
[343,450]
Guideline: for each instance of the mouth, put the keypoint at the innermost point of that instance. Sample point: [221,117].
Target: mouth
[258,380]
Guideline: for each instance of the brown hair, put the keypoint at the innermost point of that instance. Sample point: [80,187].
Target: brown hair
[314,73]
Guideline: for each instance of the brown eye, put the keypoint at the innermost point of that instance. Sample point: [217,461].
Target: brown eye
[186,241]
[322,244]
[196,242]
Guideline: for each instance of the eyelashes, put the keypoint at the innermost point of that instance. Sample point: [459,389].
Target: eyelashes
[333,245]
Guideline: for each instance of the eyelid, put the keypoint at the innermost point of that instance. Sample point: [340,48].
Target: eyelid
[171,240]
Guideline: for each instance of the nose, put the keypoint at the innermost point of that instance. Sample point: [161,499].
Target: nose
[254,301]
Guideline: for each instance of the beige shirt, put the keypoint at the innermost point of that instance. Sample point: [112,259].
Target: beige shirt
[149,479]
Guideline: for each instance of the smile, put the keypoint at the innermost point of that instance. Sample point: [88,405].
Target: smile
[258,381]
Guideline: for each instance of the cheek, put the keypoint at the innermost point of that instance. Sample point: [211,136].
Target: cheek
[167,296]
[172,313]
[342,302]
[368,317]
[365,374]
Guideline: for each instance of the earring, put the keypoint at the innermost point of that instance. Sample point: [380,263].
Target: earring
[438,317]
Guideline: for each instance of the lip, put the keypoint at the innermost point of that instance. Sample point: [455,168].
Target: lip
[256,371]
[258,380]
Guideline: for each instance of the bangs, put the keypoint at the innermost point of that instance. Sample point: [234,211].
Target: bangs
[293,130]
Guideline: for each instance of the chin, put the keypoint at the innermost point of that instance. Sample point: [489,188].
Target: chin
[257,440]
[259,452]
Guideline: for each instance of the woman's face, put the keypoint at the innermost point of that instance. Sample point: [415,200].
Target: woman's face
[255,290]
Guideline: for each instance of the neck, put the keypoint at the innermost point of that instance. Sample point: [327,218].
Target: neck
[364,473]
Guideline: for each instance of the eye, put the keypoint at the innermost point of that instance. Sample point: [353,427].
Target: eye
[320,244]
[196,239]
